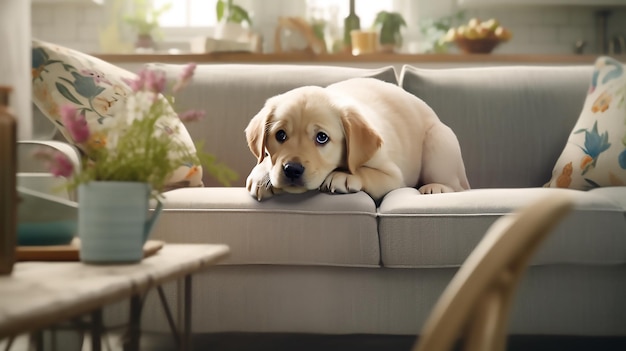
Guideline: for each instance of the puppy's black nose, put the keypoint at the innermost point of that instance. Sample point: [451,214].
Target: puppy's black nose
[293,170]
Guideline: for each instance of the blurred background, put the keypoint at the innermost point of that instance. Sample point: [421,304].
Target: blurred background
[535,26]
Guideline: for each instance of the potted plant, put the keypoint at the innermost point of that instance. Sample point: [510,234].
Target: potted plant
[144,19]
[230,19]
[124,164]
[434,31]
[390,25]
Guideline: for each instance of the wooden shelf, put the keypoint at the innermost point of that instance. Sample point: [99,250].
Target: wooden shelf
[239,57]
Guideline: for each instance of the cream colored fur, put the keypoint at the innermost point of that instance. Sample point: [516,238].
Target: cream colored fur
[379,138]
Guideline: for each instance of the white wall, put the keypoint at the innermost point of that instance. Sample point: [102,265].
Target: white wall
[552,29]
[15,69]
[539,29]
[75,25]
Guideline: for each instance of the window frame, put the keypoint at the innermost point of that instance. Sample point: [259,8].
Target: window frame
[175,34]
[186,32]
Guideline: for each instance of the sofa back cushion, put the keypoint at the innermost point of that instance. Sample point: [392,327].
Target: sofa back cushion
[511,122]
[231,94]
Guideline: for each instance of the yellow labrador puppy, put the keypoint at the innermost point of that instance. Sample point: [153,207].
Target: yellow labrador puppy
[358,134]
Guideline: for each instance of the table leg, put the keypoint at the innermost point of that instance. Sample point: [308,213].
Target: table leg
[131,342]
[96,330]
[9,343]
[36,339]
[53,338]
[187,304]
[168,315]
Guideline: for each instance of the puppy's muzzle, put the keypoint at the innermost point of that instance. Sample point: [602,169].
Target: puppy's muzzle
[293,171]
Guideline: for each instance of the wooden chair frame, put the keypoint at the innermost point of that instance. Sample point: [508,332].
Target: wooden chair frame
[476,304]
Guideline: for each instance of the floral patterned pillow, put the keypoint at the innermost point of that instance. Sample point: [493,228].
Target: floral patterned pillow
[98,89]
[595,154]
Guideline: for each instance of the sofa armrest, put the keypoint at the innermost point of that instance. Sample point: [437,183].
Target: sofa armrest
[32,173]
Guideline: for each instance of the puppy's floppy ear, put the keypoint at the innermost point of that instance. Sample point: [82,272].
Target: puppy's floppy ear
[257,129]
[362,141]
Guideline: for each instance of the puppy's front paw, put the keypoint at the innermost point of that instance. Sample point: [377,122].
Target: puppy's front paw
[435,188]
[341,182]
[259,186]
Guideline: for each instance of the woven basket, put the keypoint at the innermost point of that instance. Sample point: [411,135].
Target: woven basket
[477,46]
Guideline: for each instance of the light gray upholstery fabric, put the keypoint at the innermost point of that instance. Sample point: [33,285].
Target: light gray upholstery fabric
[615,193]
[512,122]
[555,300]
[302,229]
[441,230]
[232,94]
[27,162]
[34,173]
[311,263]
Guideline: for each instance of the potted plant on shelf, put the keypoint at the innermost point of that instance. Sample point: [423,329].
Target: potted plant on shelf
[124,164]
[434,31]
[390,25]
[230,20]
[144,19]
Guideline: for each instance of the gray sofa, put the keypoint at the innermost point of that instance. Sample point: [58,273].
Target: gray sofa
[342,264]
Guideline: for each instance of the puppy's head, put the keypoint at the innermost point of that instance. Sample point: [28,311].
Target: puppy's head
[306,136]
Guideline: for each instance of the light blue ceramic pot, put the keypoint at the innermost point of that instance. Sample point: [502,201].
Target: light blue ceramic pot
[114,221]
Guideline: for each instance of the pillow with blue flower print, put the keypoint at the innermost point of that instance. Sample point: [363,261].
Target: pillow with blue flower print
[595,154]
[63,76]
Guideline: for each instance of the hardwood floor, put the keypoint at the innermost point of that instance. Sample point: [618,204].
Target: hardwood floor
[311,342]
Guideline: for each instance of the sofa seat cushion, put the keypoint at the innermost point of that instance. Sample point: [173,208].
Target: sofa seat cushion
[441,230]
[615,193]
[304,229]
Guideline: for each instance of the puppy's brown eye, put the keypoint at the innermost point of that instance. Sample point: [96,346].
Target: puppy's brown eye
[322,138]
[281,136]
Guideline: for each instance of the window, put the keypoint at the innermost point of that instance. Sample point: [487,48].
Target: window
[365,9]
[191,18]
[188,13]
[201,13]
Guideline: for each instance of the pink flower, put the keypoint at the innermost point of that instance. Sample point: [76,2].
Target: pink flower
[134,84]
[57,163]
[185,77]
[148,80]
[61,166]
[75,123]
[154,81]
[191,115]
[188,71]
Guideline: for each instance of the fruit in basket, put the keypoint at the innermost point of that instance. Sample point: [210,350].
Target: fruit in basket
[490,24]
[478,36]
[503,34]
[473,23]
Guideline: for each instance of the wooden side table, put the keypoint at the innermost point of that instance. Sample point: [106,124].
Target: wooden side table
[40,294]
